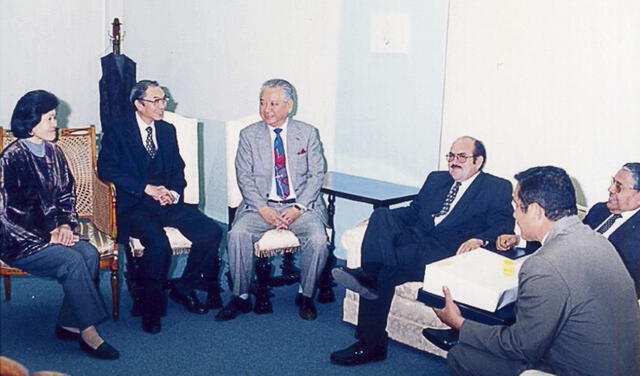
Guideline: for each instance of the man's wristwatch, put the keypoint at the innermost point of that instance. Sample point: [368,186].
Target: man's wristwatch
[300,207]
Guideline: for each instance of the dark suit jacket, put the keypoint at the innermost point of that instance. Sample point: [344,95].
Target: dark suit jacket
[123,161]
[626,239]
[118,77]
[483,212]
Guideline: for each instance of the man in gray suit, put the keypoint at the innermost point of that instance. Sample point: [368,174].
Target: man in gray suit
[577,311]
[280,169]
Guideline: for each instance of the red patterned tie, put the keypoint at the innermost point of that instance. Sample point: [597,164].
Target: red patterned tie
[280,166]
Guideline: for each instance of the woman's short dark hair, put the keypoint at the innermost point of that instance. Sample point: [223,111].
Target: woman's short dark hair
[29,110]
[551,188]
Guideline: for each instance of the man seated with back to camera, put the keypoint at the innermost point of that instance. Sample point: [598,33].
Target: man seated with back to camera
[618,220]
[576,312]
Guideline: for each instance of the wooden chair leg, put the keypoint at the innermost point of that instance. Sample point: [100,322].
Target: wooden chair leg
[290,272]
[7,287]
[115,294]
[325,281]
[263,272]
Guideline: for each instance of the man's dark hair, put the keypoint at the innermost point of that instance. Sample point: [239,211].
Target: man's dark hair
[138,90]
[634,169]
[29,110]
[551,188]
[479,151]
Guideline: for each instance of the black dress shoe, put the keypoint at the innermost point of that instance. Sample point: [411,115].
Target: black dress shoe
[104,351]
[358,354]
[151,325]
[357,281]
[443,338]
[307,309]
[65,335]
[191,302]
[214,301]
[235,307]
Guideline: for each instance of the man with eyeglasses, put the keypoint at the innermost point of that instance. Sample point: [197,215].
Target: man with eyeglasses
[456,211]
[618,219]
[140,156]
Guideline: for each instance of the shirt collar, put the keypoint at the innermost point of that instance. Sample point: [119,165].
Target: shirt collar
[143,126]
[283,127]
[466,183]
[628,214]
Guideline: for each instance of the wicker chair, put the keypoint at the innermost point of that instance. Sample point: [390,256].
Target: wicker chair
[95,205]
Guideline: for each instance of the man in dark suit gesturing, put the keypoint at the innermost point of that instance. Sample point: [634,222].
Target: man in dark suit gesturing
[455,212]
[618,219]
[141,157]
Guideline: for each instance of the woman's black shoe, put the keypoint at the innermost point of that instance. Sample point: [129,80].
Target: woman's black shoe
[104,351]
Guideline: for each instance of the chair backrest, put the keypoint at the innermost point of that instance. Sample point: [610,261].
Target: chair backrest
[79,147]
[5,138]
[232,137]
[187,134]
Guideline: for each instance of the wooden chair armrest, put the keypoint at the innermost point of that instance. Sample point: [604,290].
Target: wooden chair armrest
[104,206]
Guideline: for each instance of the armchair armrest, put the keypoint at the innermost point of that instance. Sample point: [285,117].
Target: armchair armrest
[352,242]
[104,206]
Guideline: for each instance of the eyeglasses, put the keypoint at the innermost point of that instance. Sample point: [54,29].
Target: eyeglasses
[157,102]
[618,187]
[461,157]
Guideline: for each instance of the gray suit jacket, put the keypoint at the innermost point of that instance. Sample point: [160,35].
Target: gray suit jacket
[305,165]
[577,312]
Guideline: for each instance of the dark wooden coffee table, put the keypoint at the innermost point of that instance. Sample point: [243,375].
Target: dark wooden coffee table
[355,188]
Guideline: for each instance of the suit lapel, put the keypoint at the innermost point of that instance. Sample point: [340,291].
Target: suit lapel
[294,144]
[137,148]
[161,138]
[263,142]
[627,228]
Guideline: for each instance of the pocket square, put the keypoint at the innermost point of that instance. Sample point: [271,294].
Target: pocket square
[302,152]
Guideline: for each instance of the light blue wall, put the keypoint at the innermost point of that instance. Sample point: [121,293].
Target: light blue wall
[213,169]
[388,106]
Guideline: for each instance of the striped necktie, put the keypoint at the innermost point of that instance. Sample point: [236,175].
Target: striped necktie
[453,192]
[608,223]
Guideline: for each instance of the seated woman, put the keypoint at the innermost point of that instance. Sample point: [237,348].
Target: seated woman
[37,218]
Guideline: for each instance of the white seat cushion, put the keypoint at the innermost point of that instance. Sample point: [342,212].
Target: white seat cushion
[179,243]
[276,241]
